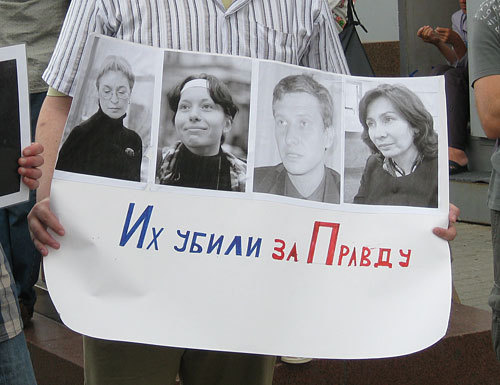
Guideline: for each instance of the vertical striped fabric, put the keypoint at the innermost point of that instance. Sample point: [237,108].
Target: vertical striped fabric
[293,31]
[10,319]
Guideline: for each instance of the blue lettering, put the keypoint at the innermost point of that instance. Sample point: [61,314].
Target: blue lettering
[144,219]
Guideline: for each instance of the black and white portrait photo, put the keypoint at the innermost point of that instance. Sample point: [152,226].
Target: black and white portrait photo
[14,122]
[298,149]
[10,137]
[109,128]
[391,155]
[203,137]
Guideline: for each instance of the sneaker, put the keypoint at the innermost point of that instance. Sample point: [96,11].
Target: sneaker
[295,360]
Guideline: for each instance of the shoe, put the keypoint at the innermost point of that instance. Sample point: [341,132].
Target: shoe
[295,360]
[455,168]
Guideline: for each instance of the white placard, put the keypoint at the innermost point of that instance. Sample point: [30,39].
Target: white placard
[249,271]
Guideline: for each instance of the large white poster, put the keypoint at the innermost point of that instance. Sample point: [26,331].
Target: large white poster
[236,204]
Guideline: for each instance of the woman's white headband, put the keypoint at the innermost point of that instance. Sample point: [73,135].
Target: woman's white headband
[195,83]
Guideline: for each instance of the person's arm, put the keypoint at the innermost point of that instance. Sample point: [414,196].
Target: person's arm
[484,61]
[487,92]
[431,36]
[449,36]
[50,126]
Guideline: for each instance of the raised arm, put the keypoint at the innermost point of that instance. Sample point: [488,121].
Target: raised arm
[449,36]
[49,130]
[440,40]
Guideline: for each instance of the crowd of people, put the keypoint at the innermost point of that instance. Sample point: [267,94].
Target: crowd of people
[397,128]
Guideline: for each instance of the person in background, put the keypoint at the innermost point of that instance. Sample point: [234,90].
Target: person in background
[485,78]
[339,12]
[452,44]
[15,362]
[37,24]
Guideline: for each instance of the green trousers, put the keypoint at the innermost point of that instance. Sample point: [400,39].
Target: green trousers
[125,363]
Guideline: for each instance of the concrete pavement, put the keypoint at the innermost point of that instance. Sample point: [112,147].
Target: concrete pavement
[472,264]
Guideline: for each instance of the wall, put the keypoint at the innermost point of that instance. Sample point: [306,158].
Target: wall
[415,54]
[380,18]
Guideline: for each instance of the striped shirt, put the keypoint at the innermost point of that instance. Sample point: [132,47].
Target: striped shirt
[298,32]
[10,319]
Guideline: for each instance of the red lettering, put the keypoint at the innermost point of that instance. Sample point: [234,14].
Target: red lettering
[344,251]
[405,255]
[293,253]
[381,261]
[280,250]
[365,253]
[352,261]
[333,241]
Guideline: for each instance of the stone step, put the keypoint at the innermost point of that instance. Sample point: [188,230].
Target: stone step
[464,356]
[56,352]
[469,191]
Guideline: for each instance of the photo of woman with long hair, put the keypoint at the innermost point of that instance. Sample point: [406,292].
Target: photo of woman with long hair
[403,167]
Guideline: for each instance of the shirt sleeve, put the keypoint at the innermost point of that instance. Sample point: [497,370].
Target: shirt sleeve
[455,22]
[325,51]
[484,41]
[83,18]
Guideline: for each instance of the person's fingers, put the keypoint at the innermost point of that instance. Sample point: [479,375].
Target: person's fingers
[31,161]
[45,216]
[454,213]
[32,184]
[448,234]
[41,237]
[40,219]
[40,247]
[33,149]
[31,173]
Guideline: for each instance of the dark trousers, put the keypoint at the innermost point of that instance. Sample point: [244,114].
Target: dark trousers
[457,103]
[23,258]
[125,363]
[494,298]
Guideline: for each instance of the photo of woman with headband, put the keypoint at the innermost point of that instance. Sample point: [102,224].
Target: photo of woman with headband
[203,114]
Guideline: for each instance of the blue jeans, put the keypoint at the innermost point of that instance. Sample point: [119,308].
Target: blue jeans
[24,259]
[15,362]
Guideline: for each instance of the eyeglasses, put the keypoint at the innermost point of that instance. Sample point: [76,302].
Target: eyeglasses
[120,94]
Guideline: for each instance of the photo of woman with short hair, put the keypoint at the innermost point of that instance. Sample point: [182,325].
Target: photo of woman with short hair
[102,145]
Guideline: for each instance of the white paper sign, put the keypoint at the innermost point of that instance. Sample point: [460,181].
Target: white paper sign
[221,250]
